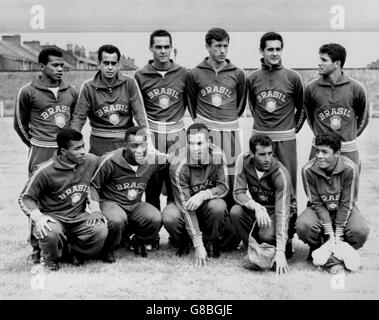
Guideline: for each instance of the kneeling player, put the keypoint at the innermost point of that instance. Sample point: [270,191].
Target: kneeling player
[269,185]
[332,217]
[55,199]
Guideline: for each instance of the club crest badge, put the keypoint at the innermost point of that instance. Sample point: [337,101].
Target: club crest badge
[75,198]
[114,118]
[164,101]
[216,100]
[132,194]
[332,206]
[270,105]
[335,122]
[60,120]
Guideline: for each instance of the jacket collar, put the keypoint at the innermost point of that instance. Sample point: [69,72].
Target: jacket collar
[339,167]
[251,165]
[149,69]
[98,82]
[37,83]
[267,66]
[342,79]
[206,65]
[59,164]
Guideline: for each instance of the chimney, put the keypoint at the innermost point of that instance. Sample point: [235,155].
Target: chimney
[34,44]
[69,48]
[77,50]
[82,52]
[14,39]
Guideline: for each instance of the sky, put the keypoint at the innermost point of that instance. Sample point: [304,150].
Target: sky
[300,48]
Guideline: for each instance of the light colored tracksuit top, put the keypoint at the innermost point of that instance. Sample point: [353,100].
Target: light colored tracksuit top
[164,96]
[217,99]
[335,193]
[110,110]
[273,191]
[339,108]
[59,189]
[189,178]
[276,98]
[39,115]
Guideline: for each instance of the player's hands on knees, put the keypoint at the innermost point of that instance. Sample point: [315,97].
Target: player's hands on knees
[200,256]
[281,263]
[263,219]
[96,218]
[42,226]
[195,201]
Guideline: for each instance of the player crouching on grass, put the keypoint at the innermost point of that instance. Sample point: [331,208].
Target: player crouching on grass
[332,223]
[269,185]
[200,182]
[55,199]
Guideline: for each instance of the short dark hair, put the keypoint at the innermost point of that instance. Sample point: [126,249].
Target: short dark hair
[196,128]
[65,136]
[217,34]
[160,33]
[43,56]
[259,139]
[135,131]
[331,140]
[108,48]
[335,51]
[270,36]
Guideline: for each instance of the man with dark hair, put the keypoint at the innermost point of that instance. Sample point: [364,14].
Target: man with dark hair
[217,97]
[331,184]
[55,200]
[110,100]
[336,103]
[43,106]
[200,182]
[163,86]
[269,186]
[276,97]
[117,188]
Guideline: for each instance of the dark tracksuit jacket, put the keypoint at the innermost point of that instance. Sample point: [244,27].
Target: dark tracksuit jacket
[39,115]
[188,179]
[116,181]
[276,97]
[273,191]
[338,108]
[59,189]
[165,97]
[110,110]
[335,193]
[217,99]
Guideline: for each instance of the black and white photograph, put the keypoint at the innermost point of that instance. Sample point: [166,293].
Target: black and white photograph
[187,150]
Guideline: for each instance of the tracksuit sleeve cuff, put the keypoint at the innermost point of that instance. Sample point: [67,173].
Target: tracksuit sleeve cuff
[197,241]
[339,231]
[280,246]
[35,214]
[328,229]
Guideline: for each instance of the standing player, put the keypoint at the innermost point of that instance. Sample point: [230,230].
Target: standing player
[268,200]
[43,106]
[200,182]
[163,86]
[217,96]
[276,97]
[336,103]
[331,185]
[110,100]
[55,199]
